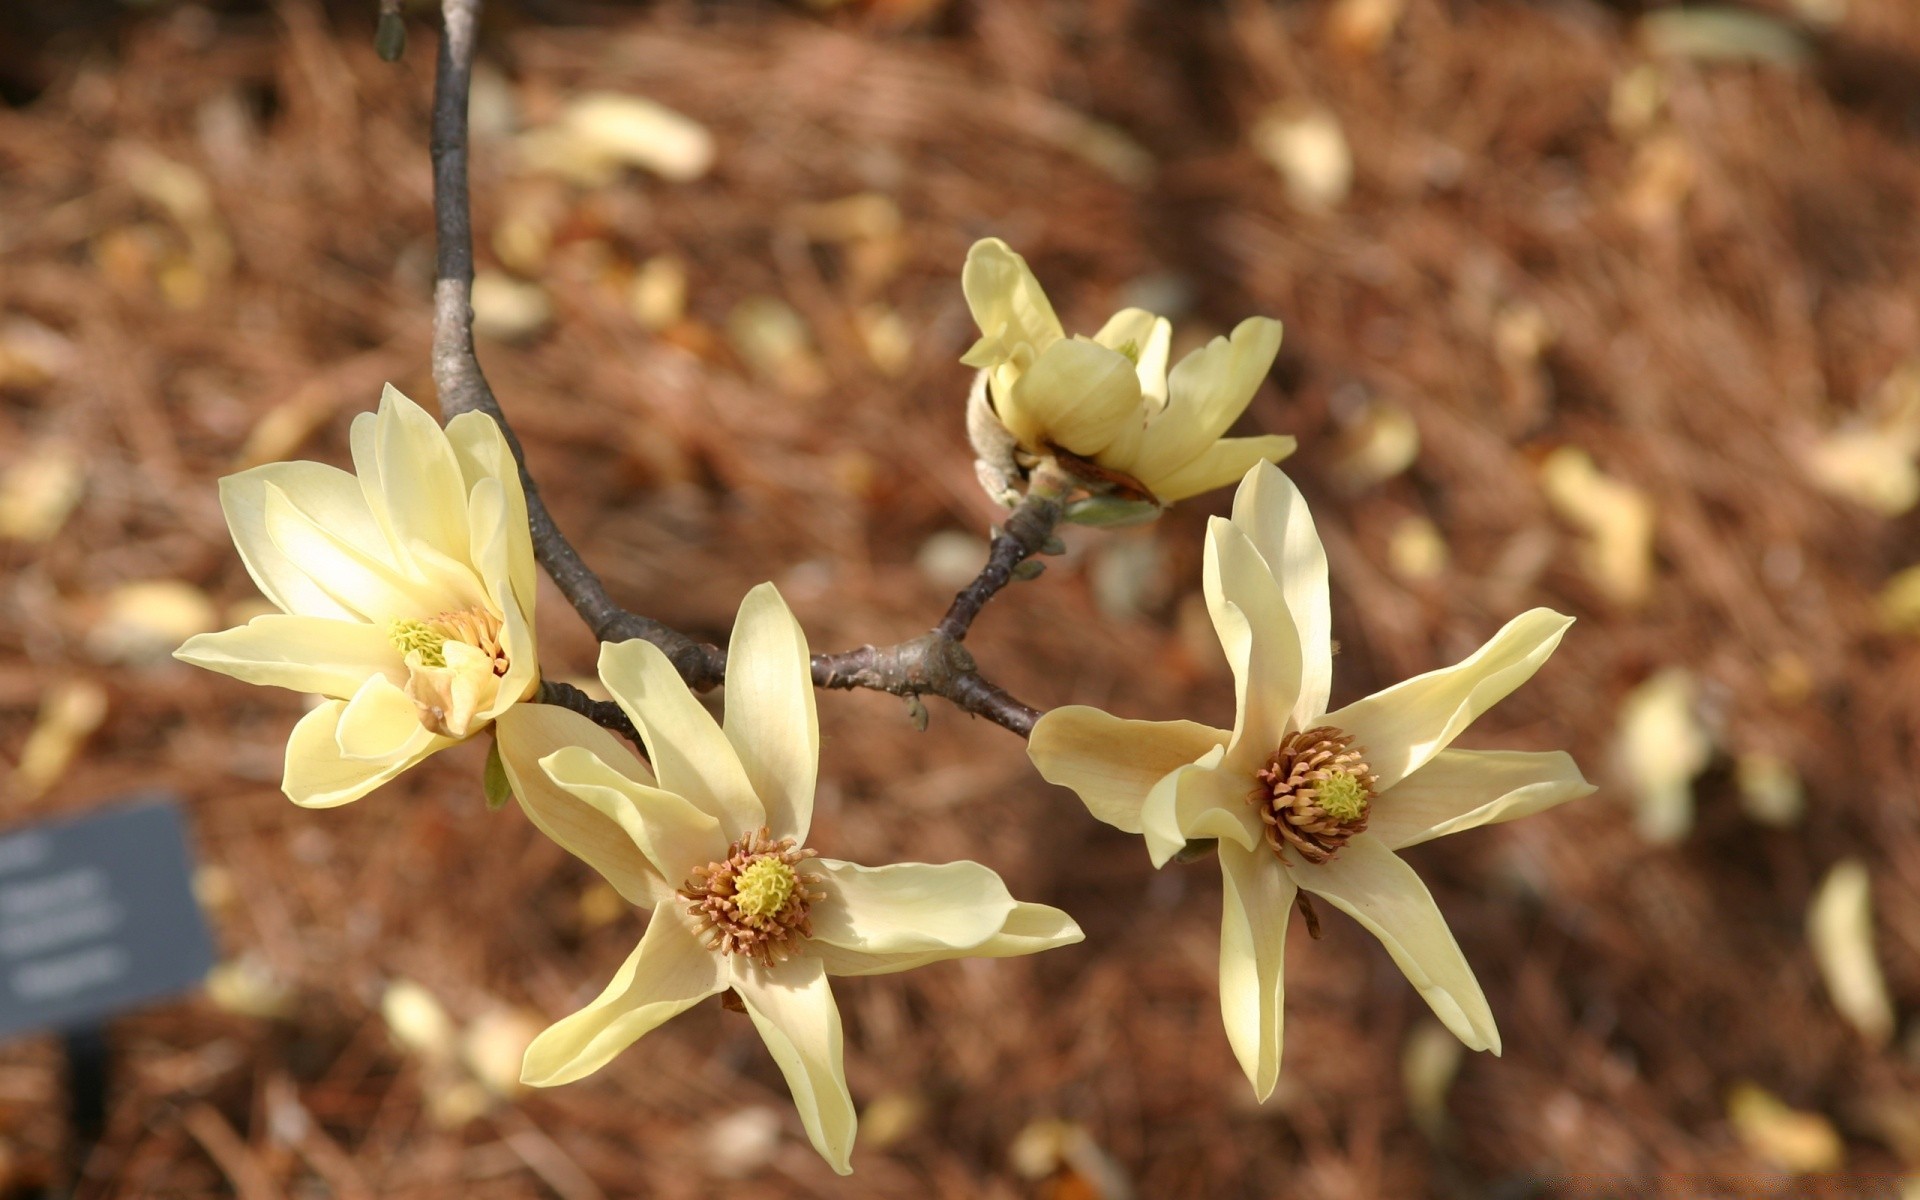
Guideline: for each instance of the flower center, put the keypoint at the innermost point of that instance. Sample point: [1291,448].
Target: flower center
[454,664]
[1315,793]
[753,901]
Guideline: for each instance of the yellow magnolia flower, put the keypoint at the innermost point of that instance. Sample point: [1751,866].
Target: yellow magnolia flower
[1110,399]
[1303,798]
[405,595]
[713,839]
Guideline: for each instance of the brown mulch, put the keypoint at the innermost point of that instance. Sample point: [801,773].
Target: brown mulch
[1696,348]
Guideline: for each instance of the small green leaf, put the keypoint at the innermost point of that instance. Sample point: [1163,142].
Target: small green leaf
[1030,569]
[499,791]
[1111,511]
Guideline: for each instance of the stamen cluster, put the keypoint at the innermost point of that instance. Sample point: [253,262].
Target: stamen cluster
[1315,792]
[475,626]
[753,901]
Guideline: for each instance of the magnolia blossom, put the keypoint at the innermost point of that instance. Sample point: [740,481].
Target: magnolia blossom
[405,595]
[713,840]
[1109,399]
[1299,797]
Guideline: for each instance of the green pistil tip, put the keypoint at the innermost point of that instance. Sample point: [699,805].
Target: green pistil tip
[763,887]
[408,636]
[1131,349]
[1342,796]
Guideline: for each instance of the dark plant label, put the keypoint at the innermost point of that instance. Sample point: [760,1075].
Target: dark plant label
[97,915]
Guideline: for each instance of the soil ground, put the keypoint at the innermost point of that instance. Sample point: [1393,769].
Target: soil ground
[1691,269]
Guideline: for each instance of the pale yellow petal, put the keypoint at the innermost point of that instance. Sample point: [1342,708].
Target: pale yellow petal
[691,754]
[1206,392]
[1217,466]
[304,654]
[483,453]
[1007,301]
[669,972]
[411,478]
[1465,789]
[1203,800]
[362,584]
[523,664]
[329,493]
[1251,617]
[1028,929]
[379,722]
[528,733]
[1408,723]
[1111,763]
[1077,395]
[1256,904]
[770,716]
[907,908]
[675,836]
[792,1007]
[1144,338]
[1273,514]
[1372,885]
[318,776]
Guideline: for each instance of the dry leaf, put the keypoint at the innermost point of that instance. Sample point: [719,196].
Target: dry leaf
[658,296]
[773,341]
[891,1116]
[1723,34]
[248,987]
[1788,1138]
[1417,550]
[39,492]
[1770,789]
[1899,602]
[493,1047]
[1661,746]
[1659,181]
[1617,518]
[1309,149]
[1382,443]
[1840,929]
[1361,27]
[888,340]
[418,1021]
[283,429]
[507,308]
[601,132]
[742,1142]
[143,623]
[70,712]
[1428,1064]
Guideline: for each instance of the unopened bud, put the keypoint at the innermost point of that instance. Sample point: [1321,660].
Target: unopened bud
[917,713]
[1029,569]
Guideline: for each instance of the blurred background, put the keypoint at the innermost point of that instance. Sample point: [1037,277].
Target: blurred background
[1613,307]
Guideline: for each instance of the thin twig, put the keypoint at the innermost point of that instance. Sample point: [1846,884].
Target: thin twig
[604,713]
[462,385]
[934,664]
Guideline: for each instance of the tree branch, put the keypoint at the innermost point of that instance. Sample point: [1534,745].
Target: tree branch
[462,385]
[932,664]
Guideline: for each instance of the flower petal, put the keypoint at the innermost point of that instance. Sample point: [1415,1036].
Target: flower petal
[1203,800]
[411,478]
[1217,466]
[1077,395]
[332,495]
[1111,763]
[907,908]
[379,722]
[669,972]
[1256,904]
[319,776]
[1007,301]
[1256,629]
[362,583]
[1206,392]
[1372,885]
[1273,514]
[1465,789]
[770,719]
[591,831]
[691,755]
[1408,723]
[1029,929]
[674,835]
[305,654]
[1144,338]
[792,1007]
[483,453]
